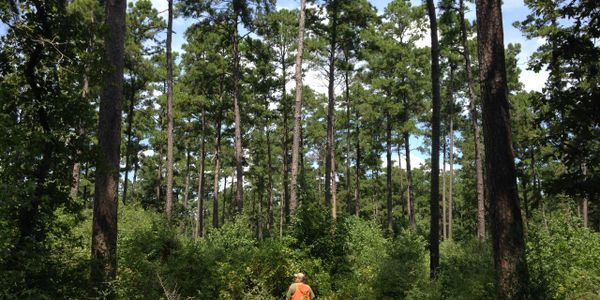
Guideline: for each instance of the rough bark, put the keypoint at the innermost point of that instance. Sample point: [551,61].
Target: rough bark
[104,223]
[169,198]
[451,155]
[186,187]
[410,186]
[506,223]
[239,170]
[444,221]
[330,147]
[474,124]
[215,221]
[270,218]
[388,138]
[434,239]
[201,182]
[358,170]
[297,111]
[349,208]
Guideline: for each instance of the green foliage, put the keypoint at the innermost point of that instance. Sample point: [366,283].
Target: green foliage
[563,259]
[403,267]
[467,270]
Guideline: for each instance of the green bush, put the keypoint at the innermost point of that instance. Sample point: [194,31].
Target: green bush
[563,259]
[466,270]
[403,268]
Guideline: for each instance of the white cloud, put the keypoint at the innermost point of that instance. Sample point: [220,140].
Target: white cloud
[533,81]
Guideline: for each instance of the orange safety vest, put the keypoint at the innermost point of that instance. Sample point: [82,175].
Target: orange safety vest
[302,292]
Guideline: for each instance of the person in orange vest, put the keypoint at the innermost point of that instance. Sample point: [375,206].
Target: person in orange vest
[299,290]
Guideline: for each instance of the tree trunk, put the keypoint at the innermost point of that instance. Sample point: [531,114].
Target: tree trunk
[388,138]
[159,172]
[330,148]
[434,234]
[297,111]
[506,224]
[444,221]
[224,200]
[584,201]
[476,130]
[410,187]
[239,193]
[104,223]
[169,202]
[129,134]
[200,205]
[451,154]
[286,135]
[270,219]
[358,170]
[186,188]
[215,221]
[348,142]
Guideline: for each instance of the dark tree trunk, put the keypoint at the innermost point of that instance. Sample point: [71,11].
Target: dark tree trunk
[388,138]
[297,110]
[506,224]
[444,211]
[215,220]
[169,202]
[270,219]
[409,185]
[129,134]
[224,200]
[476,130]
[434,234]
[200,204]
[358,170]
[349,208]
[451,155]
[104,223]
[186,188]
[239,170]
[330,193]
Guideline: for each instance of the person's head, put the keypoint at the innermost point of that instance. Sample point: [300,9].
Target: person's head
[299,277]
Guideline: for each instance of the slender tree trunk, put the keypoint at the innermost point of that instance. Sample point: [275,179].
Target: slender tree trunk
[130,112]
[186,189]
[104,223]
[584,201]
[239,193]
[358,170]
[169,202]
[76,173]
[506,223]
[330,148]
[259,211]
[451,155]
[159,173]
[224,200]
[388,138]
[434,234]
[215,220]
[297,111]
[444,221]
[410,187]
[348,142]
[400,186]
[200,204]
[270,219]
[476,129]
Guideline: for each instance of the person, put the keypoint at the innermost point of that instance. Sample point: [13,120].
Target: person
[299,290]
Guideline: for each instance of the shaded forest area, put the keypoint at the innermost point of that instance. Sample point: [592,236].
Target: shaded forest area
[132,171]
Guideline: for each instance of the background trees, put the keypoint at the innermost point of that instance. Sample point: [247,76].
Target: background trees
[332,177]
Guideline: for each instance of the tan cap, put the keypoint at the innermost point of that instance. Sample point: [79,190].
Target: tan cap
[299,275]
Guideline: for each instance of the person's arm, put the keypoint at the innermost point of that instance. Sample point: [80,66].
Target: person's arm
[290,292]
[312,295]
